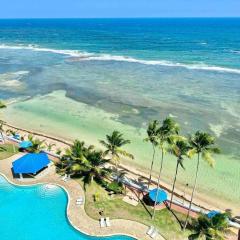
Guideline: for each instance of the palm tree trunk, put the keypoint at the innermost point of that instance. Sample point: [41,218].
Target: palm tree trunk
[150,176]
[114,160]
[158,184]
[14,150]
[174,182]
[2,137]
[193,191]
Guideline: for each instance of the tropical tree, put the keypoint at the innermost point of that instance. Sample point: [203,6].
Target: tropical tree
[49,146]
[37,144]
[113,145]
[85,162]
[152,132]
[58,151]
[11,132]
[2,105]
[179,149]
[1,131]
[210,228]
[167,131]
[95,168]
[75,157]
[202,144]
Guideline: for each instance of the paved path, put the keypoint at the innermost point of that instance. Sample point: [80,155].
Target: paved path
[76,214]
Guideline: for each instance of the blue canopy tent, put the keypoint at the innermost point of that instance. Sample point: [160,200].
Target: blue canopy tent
[30,163]
[17,136]
[160,197]
[25,144]
[212,214]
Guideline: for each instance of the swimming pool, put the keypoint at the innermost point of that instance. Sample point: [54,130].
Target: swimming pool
[36,213]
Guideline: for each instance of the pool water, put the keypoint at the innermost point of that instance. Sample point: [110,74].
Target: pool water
[37,213]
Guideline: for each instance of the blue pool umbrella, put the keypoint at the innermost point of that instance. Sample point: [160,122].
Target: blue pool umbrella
[25,144]
[16,136]
[212,214]
[162,195]
[30,163]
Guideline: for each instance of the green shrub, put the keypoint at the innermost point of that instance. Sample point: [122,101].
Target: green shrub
[115,187]
[96,197]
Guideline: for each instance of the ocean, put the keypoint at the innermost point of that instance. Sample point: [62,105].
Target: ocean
[83,78]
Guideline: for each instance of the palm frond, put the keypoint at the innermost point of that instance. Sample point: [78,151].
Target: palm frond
[104,143]
[194,236]
[192,152]
[181,164]
[208,158]
[125,153]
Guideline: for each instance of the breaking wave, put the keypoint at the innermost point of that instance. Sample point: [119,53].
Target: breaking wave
[85,56]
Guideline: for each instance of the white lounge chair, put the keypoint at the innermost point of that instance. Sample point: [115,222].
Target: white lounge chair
[150,230]
[154,234]
[107,220]
[79,201]
[102,222]
[67,178]
[64,177]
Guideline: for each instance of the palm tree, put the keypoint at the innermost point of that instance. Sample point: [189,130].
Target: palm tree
[210,228]
[37,144]
[11,132]
[14,134]
[2,105]
[85,161]
[166,132]
[113,145]
[1,131]
[152,132]
[95,168]
[202,144]
[75,156]
[180,150]
[50,146]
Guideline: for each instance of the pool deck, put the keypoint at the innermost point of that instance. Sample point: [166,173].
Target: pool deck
[76,214]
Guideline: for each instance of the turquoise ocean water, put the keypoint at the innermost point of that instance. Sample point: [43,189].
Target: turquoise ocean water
[82,78]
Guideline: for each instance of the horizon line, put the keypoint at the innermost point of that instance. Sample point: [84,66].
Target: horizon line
[187,17]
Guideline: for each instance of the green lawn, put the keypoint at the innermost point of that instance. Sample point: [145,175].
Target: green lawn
[114,207]
[7,150]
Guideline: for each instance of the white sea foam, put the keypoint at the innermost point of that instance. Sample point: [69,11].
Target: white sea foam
[235,51]
[85,56]
[12,79]
[73,53]
[10,83]
[217,129]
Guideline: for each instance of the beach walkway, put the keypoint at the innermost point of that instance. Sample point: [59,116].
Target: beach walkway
[76,214]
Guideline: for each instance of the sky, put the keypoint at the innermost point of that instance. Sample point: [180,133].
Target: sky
[118,8]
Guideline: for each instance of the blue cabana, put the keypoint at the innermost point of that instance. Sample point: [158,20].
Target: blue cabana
[25,144]
[17,136]
[162,195]
[30,163]
[212,214]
